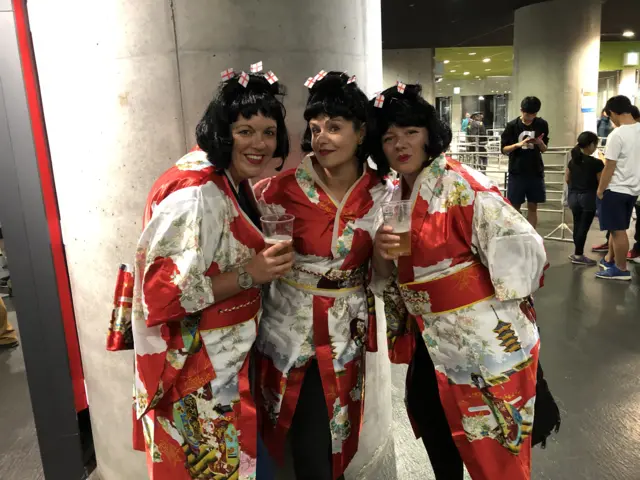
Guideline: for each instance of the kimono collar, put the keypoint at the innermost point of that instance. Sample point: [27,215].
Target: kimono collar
[230,178]
[308,179]
[430,176]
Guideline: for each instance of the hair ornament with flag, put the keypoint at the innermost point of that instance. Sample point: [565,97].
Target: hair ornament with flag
[271,77]
[379,103]
[244,79]
[401,86]
[227,74]
[256,67]
[311,81]
[351,80]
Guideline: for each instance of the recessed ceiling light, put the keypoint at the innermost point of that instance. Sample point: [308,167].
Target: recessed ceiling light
[628,34]
[472,53]
[477,76]
[480,97]
[487,69]
[486,60]
[452,71]
[466,73]
[447,61]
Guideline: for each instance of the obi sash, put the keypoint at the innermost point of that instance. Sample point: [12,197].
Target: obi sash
[460,289]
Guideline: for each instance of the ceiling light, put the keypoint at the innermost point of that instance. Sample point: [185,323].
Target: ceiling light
[486,60]
[477,76]
[452,71]
[628,34]
[481,98]
[472,53]
[466,73]
[446,61]
[487,69]
[456,90]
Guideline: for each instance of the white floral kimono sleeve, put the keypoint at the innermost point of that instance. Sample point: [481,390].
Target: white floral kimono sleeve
[508,246]
[176,250]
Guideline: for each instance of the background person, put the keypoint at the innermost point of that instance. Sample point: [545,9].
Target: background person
[8,337]
[604,127]
[619,187]
[477,137]
[582,176]
[525,139]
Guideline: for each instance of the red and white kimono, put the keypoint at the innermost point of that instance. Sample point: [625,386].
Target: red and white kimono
[321,308]
[474,261]
[192,392]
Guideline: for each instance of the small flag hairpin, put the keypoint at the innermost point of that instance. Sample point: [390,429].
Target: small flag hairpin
[311,81]
[244,79]
[401,86]
[271,77]
[227,74]
[379,101]
[319,76]
[351,80]
[256,67]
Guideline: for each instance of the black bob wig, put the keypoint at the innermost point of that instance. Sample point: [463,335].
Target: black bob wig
[334,97]
[213,133]
[407,109]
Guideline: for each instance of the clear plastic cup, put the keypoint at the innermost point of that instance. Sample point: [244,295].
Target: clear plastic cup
[397,215]
[277,229]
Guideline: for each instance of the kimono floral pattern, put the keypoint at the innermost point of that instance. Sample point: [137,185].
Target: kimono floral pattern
[191,392]
[474,259]
[319,311]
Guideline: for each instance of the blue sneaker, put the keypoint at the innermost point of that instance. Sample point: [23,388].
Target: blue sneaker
[606,265]
[614,273]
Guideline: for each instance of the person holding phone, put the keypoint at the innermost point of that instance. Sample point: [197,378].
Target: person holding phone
[525,139]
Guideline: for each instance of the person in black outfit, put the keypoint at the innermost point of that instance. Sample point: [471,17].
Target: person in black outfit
[582,176]
[477,137]
[525,139]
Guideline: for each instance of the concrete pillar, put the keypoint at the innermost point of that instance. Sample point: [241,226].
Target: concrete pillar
[628,84]
[556,58]
[456,112]
[123,86]
[413,65]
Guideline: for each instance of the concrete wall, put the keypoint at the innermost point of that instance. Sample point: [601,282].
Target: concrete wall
[123,85]
[415,65]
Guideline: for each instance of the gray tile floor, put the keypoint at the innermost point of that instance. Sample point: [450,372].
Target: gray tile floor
[591,357]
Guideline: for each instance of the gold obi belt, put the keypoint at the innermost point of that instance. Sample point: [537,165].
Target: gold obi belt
[458,290]
[331,283]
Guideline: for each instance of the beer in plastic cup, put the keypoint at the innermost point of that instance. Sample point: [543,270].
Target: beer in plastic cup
[277,229]
[397,215]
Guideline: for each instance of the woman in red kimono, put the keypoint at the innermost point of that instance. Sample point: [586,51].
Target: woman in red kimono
[200,263]
[470,338]
[316,328]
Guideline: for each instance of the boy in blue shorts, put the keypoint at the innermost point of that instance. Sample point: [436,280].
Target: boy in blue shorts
[619,187]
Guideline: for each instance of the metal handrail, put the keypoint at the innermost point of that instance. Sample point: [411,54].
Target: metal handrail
[472,159]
